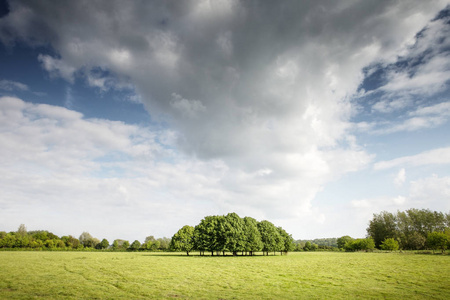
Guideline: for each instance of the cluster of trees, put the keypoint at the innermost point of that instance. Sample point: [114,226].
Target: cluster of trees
[348,243]
[412,229]
[234,234]
[38,239]
[45,240]
[327,244]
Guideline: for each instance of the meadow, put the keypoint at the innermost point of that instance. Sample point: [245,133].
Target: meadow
[299,275]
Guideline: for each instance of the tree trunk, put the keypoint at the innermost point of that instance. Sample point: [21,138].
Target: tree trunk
[187,252]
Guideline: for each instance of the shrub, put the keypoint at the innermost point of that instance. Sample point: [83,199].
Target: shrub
[389,244]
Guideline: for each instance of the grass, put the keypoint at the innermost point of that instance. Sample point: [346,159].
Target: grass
[306,275]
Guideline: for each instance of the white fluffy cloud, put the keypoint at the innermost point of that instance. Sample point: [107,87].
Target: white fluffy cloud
[433,191]
[399,180]
[434,157]
[420,118]
[430,192]
[423,71]
[59,164]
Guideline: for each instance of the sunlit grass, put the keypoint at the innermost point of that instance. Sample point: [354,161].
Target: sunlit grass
[321,275]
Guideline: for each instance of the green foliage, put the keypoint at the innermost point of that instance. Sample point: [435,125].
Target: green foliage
[360,245]
[270,236]
[104,244]
[22,231]
[183,240]
[328,242]
[125,244]
[447,233]
[389,244]
[45,240]
[437,240]
[287,242]
[381,227]
[410,227]
[87,240]
[343,240]
[234,234]
[115,245]
[205,234]
[152,244]
[135,246]
[310,246]
[37,240]
[253,241]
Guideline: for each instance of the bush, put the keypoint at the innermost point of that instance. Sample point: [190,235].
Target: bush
[437,240]
[360,245]
[389,244]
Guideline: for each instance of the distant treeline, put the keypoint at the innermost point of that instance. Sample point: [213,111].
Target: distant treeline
[231,233]
[316,244]
[412,229]
[45,240]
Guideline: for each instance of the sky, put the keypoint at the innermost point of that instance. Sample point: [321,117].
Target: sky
[134,118]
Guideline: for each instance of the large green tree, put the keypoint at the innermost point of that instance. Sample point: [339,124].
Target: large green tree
[234,235]
[205,236]
[183,240]
[253,241]
[381,227]
[269,236]
[287,242]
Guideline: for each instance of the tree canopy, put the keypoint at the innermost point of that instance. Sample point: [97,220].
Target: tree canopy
[409,228]
[231,233]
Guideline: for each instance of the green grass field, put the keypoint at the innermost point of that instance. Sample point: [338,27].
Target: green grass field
[305,275]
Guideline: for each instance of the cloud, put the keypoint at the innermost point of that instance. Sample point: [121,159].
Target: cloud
[406,94]
[400,178]
[431,192]
[433,157]
[62,166]
[427,193]
[423,69]
[189,108]
[8,85]
[55,161]
[240,88]
[422,117]
[57,67]
[258,85]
